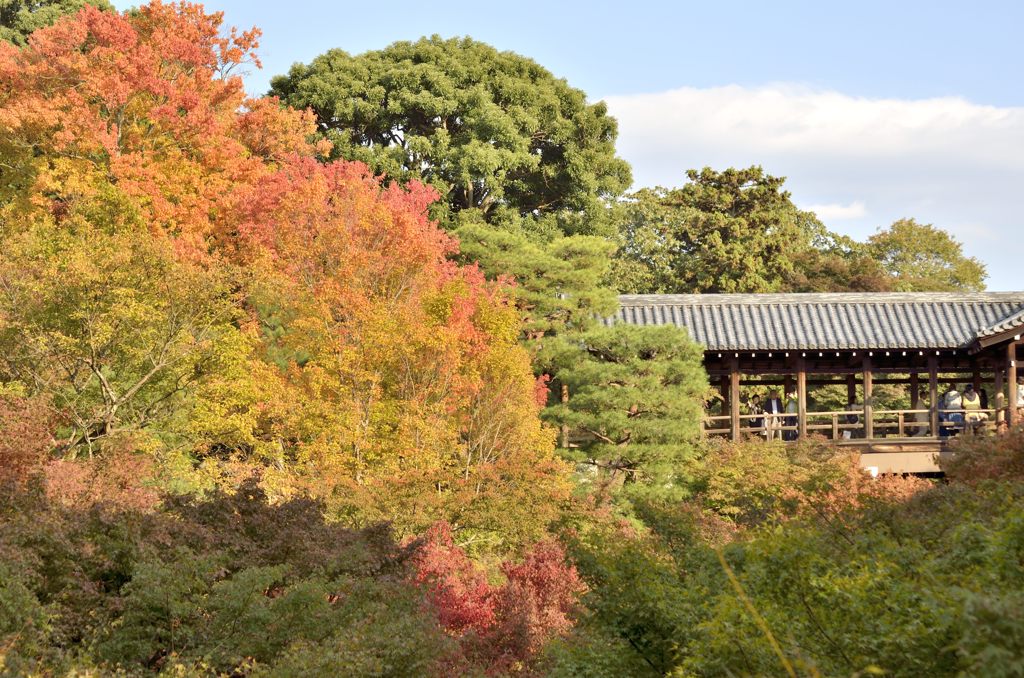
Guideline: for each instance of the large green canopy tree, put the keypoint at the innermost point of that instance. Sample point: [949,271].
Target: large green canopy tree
[923,258]
[492,131]
[730,231]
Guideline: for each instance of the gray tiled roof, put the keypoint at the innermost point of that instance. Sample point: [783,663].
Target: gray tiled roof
[764,322]
[1013,321]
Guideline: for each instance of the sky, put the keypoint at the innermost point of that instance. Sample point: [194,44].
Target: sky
[873,111]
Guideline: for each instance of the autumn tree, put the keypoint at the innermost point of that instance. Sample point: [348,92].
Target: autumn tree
[177,263]
[123,137]
[491,131]
[836,263]
[24,437]
[414,400]
[108,326]
[923,258]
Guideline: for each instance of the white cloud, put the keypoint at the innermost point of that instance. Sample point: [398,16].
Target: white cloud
[946,161]
[831,211]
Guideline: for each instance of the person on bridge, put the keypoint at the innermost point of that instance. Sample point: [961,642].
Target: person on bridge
[971,403]
[772,421]
[792,408]
[952,412]
[754,408]
[1020,398]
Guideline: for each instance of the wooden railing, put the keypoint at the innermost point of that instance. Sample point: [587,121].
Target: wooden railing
[886,423]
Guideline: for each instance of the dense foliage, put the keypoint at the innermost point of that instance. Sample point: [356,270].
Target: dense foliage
[493,131]
[280,387]
[183,276]
[19,18]
[232,583]
[739,231]
[791,561]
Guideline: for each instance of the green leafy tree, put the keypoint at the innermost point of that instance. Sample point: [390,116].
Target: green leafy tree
[729,231]
[923,258]
[834,263]
[635,404]
[19,18]
[559,281]
[492,131]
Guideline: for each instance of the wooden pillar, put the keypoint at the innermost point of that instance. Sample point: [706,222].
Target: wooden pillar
[851,388]
[998,398]
[915,398]
[976,377]
[734,397]
[801,397]
[1011,379]
[869,425]
[933,393]
[724,390]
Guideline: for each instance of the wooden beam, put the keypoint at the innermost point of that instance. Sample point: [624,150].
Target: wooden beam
[734,399]
[801,397]
[933,393]
[869,425]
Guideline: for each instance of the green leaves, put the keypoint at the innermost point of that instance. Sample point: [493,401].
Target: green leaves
[923,258]
[488,129]
[634,402]
[730,231]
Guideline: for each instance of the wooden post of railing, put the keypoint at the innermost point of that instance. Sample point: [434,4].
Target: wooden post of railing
[801,397]
[1011,378]
[869,425]
[835,426]
[933,393]
[734,397]
[899,424]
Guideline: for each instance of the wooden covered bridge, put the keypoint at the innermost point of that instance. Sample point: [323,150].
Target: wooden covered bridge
[801,342]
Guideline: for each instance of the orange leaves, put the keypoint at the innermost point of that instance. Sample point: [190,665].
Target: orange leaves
[149,102]
[24,437]
[342,347]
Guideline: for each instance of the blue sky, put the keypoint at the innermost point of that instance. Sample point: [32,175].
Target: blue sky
[872,110]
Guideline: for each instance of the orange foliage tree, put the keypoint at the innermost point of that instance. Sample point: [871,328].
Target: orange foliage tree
[327,335]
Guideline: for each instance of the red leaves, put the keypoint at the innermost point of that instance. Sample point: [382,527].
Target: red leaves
[459,590]
[499,627]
